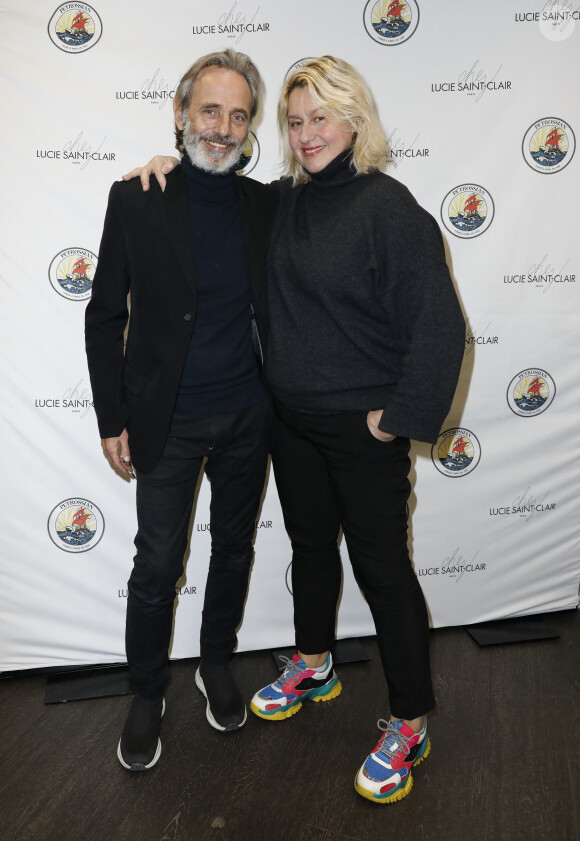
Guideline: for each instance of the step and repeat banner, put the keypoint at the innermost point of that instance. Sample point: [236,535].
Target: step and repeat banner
[481,111]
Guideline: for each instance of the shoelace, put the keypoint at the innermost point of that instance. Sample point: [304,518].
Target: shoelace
[396,737]
[291,670]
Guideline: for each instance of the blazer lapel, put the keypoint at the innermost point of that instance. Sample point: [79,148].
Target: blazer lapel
[177,222]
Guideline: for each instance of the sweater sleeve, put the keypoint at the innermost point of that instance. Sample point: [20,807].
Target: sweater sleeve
[430,324]
[105,322]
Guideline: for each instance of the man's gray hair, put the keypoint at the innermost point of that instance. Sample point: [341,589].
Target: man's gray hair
[226,60]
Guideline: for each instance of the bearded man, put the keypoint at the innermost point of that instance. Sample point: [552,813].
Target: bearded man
[187,386]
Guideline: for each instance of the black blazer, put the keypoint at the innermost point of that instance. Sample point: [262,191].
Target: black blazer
[147,250]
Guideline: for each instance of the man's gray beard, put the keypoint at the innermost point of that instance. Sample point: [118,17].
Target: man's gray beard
[203,156]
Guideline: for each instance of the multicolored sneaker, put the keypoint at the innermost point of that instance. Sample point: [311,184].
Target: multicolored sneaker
[297,683]
[385,776]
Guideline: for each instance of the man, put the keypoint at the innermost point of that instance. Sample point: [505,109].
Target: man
[188,385]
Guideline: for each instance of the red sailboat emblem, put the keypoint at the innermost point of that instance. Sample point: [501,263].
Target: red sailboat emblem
[75,27]
[553,139]
[471,206]
[394,11]
[79,22]
[535,387]
[459,447]
[457,452]
[80,518]
[80,268]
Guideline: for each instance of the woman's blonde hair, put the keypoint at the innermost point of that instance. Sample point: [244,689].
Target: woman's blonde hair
[343,95]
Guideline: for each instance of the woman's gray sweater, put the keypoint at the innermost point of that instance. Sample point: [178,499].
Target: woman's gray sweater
[363,312]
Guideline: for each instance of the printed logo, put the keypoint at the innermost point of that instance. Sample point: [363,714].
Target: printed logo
[556,21]
[455,566]
[531,392]
[456,453]
[155,89]
[475,337]
[297,64]
[71,273]
[78,399]
[548,145]
[234,23]
[474,81]
[525,505]
[399,149]
[263,524]
[543,275]
[79,151]
[467,211]
[391,22]
[179,591]
[75,27]
[250,155]
[76,525]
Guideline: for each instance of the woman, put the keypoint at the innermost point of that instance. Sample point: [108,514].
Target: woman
[365,345]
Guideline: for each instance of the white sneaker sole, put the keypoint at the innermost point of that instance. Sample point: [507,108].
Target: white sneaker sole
[139,766]
[208,713]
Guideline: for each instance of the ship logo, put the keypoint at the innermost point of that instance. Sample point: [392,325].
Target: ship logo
[298,64]
[456,453]
[250,155]
[391,22]
[289,578]
[531,392]
[467,211]
[75,27]
[549,145]
[71,273]
[76,525]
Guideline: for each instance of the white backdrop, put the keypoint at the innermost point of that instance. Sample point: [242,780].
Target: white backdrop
[480,107]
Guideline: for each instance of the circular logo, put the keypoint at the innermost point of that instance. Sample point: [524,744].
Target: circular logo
[467,211]
[548,145]
[71,273]
[531,392]
[75,27]
[289,578]
[557,22]
[391,22]
[76,525]
[456,453]
[250,155]
[298,64]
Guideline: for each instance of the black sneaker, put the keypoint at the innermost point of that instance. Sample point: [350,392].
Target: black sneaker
[225,706]
[140,745]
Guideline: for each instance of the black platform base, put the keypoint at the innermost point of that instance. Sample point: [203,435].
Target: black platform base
[81,684]
[503,631]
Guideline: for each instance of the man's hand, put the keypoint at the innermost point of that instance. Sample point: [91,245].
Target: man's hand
[117,452]
[373,420]
[159,166]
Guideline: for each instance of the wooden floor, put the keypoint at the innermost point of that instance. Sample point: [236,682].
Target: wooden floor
[504,765]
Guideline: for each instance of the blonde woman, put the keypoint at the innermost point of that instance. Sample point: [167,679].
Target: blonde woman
[365,344]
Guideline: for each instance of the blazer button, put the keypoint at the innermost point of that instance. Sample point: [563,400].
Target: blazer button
[187,316]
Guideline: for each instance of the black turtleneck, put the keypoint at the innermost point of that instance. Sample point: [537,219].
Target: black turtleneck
[221,371]
[363,312]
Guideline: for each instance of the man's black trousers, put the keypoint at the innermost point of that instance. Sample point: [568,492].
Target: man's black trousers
[236,447]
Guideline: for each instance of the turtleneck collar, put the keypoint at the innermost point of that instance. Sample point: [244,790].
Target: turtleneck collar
[209,187]
[338,172]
